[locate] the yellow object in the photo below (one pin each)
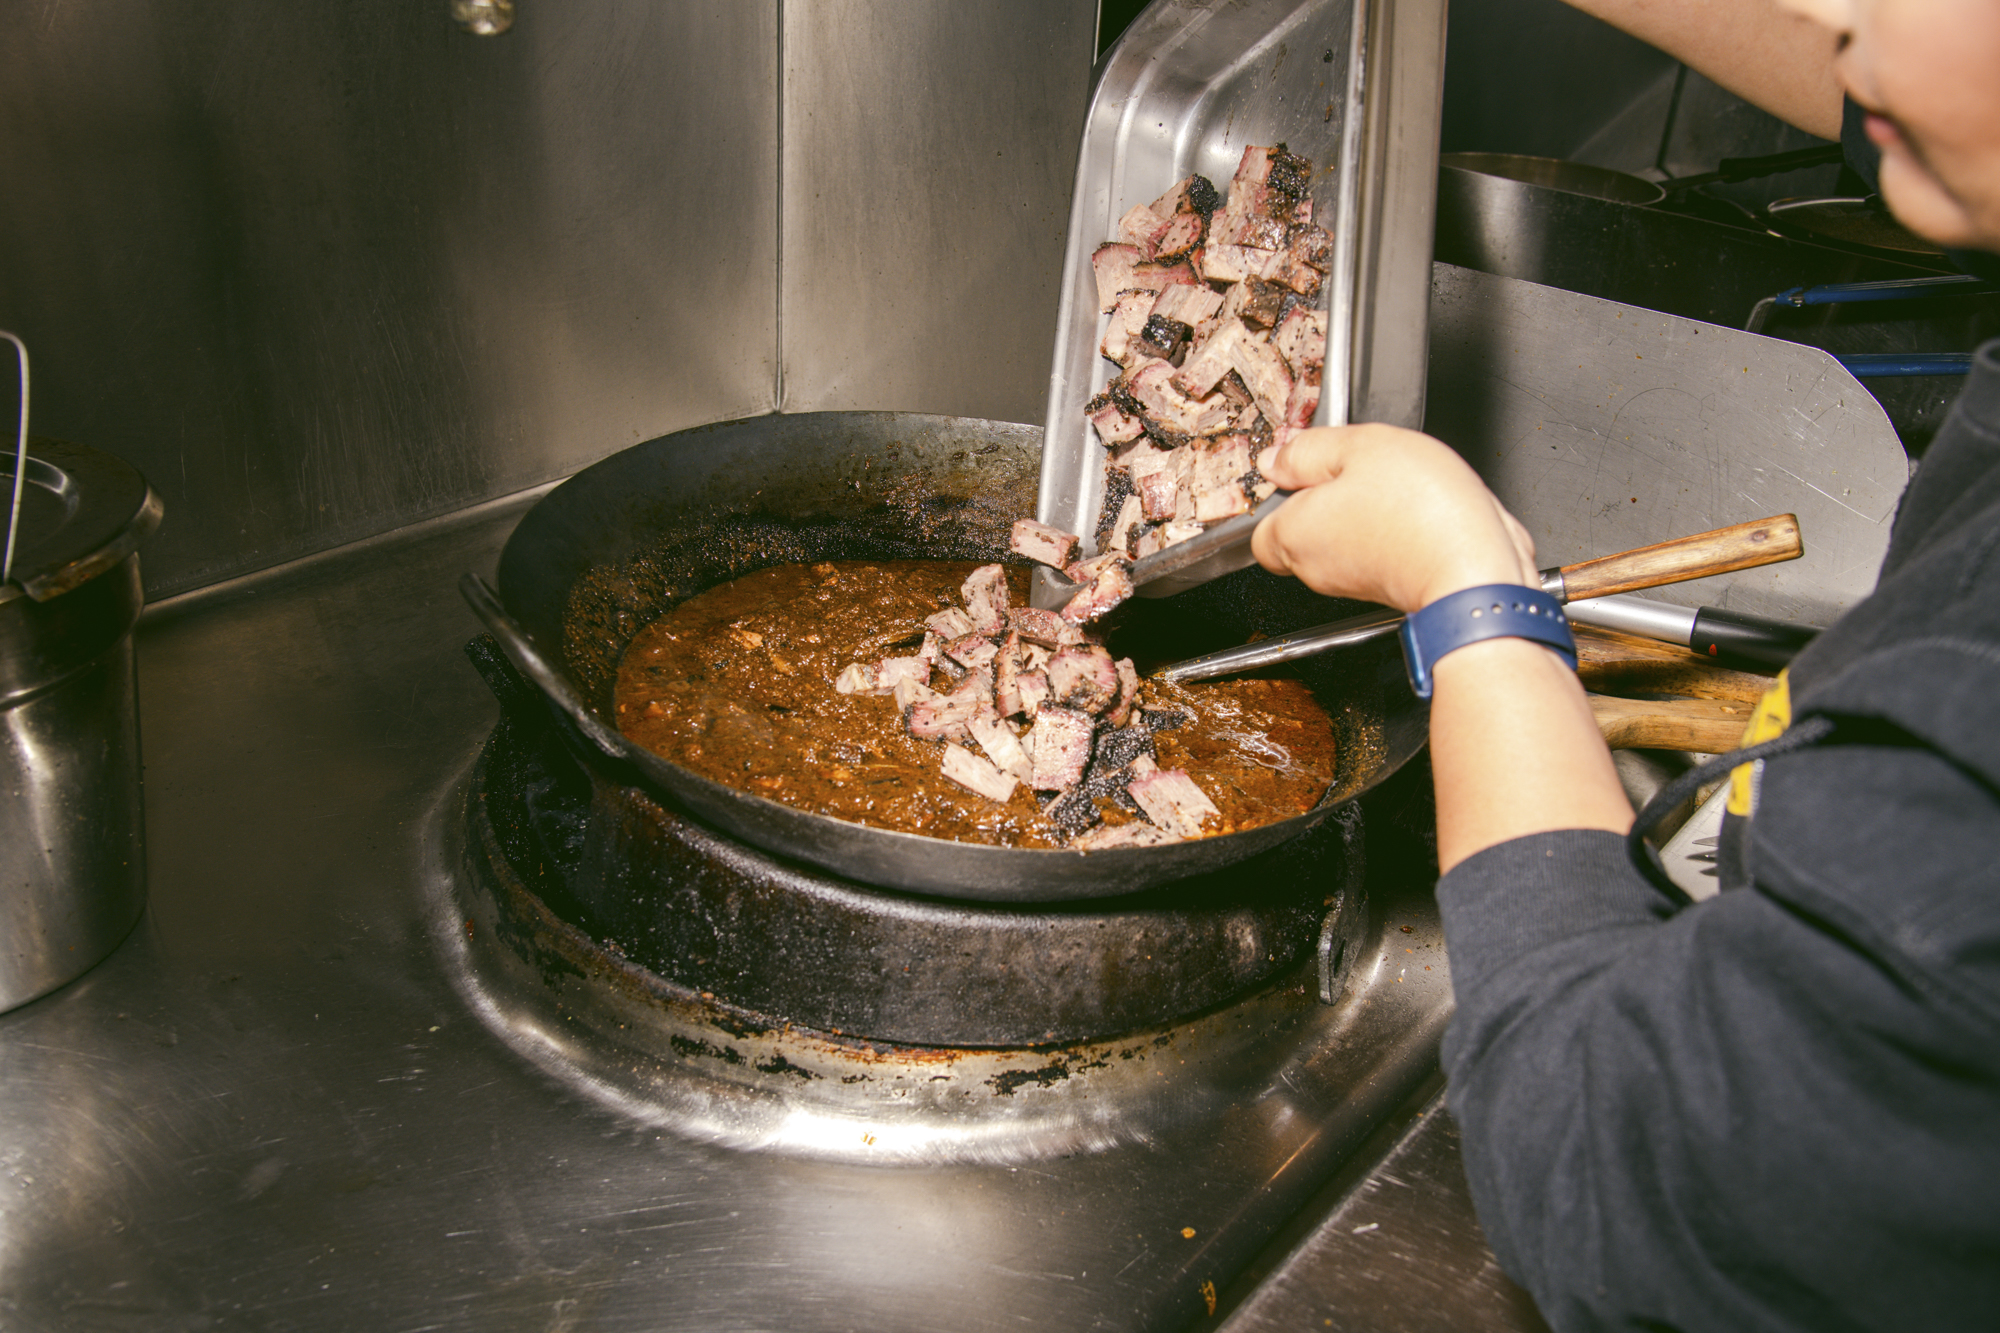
(1773, 715)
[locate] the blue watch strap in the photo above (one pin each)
(1494, 611)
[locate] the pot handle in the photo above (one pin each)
(521, 651)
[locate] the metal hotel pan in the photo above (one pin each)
(1354, 85)
(617, 545)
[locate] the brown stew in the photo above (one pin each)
(736, 684)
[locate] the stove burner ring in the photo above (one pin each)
(659, 894)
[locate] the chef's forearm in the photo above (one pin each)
(1764, 54)
(1514, 750)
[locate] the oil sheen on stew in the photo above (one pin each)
(736, 684)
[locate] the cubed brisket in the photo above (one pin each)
(1112, 264)
(977, 774)
(1083, 678)
(1031, 624)
(985, 593)
(1061, 747)
(1040, 542)
(1171, 799)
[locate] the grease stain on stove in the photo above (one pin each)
(1004, 1082)
(778, 1064)
(693, 1048)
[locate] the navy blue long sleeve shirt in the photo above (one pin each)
(1779, 1108)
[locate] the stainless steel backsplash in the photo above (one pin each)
(322, 271)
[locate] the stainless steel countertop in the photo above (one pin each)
(271, 1108)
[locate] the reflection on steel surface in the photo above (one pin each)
(1605, 427)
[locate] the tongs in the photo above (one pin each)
(1764, 541)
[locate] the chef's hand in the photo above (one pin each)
(1394, 516)
(1387, 515)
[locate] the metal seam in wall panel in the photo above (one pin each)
(928, 156)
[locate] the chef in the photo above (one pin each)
(1778, 1108)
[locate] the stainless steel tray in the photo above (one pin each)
(1354, 85)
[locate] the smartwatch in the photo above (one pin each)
(1494, 611)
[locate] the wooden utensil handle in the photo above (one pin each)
(1764, 541)
(1709, 726)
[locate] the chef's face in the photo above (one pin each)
(1928, 73)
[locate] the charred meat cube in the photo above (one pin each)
(1235, 263)
(1061, 747)
(1040, 542)
(1141, 228)
(1170, 799)
(894, 669)
(857, 678)
(1125, 528)
(1031, 624)
(1140, 458)
(1265, 303)
(976, 774)
(1196, 194)
(1117, 489)
(1299, 408)
(1083, 571)
(1287, 175)
(1303, 279)
(950, 623)
(1112, 264)
(1033, 684)
(1183, 232)
(1264, 374)
(1070, 811)
(1150, 542)
(976, 689)
(1205, 368)
(1219, 467)
(1083, 678)
(1263, 232)
(1162, 338)
(1120, 711)
(910, 692)
(973, 650)
(941, 717)
(1135, 834)
(1113, 424)
(1122, 332)
(1158, 277)
(1311, 245)
(945, 716)
(1107, 590)
(1163, 404)
(1002, 746)
(1189, 305)
(985, 593)
(1301, 338)
(1167, 534)
(1007, 677)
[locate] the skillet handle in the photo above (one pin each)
(521, 651)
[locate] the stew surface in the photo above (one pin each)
(736, 683)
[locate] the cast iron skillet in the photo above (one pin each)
(616, 545)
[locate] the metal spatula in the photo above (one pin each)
(1764, 541)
